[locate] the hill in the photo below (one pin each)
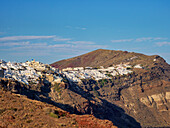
(143, 95)
(106, 58)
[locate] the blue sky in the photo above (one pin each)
(51, 30)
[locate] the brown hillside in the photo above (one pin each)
(17, 111)
(106, 58)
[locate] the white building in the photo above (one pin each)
(138, 66)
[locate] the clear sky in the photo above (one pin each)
(51, 30)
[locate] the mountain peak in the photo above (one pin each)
(106, 58)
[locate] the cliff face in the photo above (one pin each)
(133, 100)
(126, 100)
(142, 95)
(151, 106)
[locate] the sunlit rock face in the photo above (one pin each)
(151, 106)
(161, 100)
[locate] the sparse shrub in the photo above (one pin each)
(73, 122)
(31, 110)
(63, 114)
(61, 124)
(103, 82)
(57, 88)
(109, 75)
(54, 115)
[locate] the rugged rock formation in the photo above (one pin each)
(143, 95)
(134, 100)
(150, 107)
(73, 100)
(18, 111)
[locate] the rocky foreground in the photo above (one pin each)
(17, 111)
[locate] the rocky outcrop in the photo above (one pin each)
(158, 99)
(150, 107)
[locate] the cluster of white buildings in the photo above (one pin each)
(76, 76)
(21, 72)
(78, 73)
(31, 72)
(28, 72)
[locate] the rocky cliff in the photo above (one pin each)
(18, 110)
(141, 97)
(138, 99)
